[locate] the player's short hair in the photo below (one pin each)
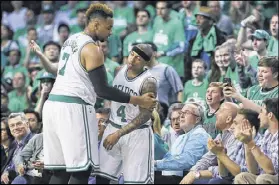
(51, 43)
(251, 116)
(271, 62)
(200, 61)
(272, 106)
(98, 10)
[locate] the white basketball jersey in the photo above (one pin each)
(124, 113)
(72, 79)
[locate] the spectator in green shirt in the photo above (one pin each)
(260, 39)
(203, 45)
(196, 88)
(224, 66)
(141, 35)
(214, 99)
(273, 41)
(18, 100)
(51, 51)
(123, 17)
(14, 66)
(267, 87)
(81, 19)
(29, 59)
(169, 38)
(139, 5)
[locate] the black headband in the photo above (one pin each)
(141, 53)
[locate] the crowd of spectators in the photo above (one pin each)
(216, 63)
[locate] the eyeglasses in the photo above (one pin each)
(188, 112)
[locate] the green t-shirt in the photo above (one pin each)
(195, 92)
(173, 15)
(167, 35)
(73, 13)
(115, 45)
(135, 37)
(10, 71)
(209, 124)
(254, 60)
(233, 75)
(110, 66)
(256, 94)
(17, 103)
(273, 46)
(122, 17)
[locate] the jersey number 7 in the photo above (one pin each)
(65, 57)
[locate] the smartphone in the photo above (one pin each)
(228, 81)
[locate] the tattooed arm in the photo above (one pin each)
(149, 85)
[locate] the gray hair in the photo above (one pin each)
(20, 114)
(200, 109)
(173, 107)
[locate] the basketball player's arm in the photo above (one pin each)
(92, 59)
(149, 85)
(47, 64)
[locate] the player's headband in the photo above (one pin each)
(141, 53)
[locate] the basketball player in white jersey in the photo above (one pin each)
(70, 125)
(127, 144)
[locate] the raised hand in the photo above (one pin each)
(246, 132)
(230, 92)
(34, 47)
(215, 147)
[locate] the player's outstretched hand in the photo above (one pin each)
(111, 140)
(35, 47)
(148, 101)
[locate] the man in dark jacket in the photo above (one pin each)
(19, 127)
(203, 45)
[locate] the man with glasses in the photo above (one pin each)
(188, 148)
